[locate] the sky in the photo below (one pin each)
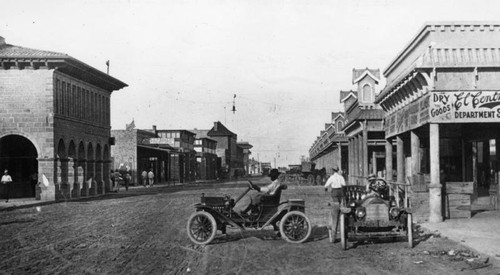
(280, 63)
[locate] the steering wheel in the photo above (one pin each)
(378, 185)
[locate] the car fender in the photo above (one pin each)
(218, 216)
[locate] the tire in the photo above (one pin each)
(343, 233)
(201, 228)
(409, 228)
(295, 227)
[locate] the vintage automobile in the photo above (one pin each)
(216, 213)
(380, 212)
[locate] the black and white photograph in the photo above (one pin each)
(249, 137)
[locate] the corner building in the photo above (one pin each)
(54, 124)
(442, 106)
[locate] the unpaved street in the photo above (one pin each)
(142, 231)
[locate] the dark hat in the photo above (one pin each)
(274, 173)
(335, 168)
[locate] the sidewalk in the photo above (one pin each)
(480, 233)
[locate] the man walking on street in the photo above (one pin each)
(6, 181)
(335, 182)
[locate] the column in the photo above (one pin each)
(361, 159)
(75, 189)
(82, 172)
(400, 160)
(89, 180)
(98, 177)
(388, 159)
(45, 190)
(365, 150)
(340, 156)
(72, 173)
(435, 214)
(415, 154)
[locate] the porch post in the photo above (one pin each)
(400, 160)
(435, 214)
(415, 158)
(365, 150)
(388, 159)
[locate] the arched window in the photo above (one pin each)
(339, 125)
(367, 93)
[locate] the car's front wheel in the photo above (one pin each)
(295, 227)
(201, 227)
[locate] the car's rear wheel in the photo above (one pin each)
(409, 228)
(343, 233)
(295, 227)
(201, 228)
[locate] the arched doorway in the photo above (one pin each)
(19, 156)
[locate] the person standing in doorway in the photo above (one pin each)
(335, 182)
(6, 182)
(151, 177)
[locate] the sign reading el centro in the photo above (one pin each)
(445, 107)
(464, 106)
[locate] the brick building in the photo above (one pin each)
(226, 149)
(54, 123)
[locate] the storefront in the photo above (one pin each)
(442, 104)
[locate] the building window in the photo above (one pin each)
(58, 97)
(367, 93)
(339, 126)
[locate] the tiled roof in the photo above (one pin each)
(220, 130)
(7, 50)
(356, 73)
(344, 94)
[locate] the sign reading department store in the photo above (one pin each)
(464, 106)
(445, 107)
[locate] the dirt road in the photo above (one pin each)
(142, 231)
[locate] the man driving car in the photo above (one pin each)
(256, 197)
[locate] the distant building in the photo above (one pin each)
(54, 123)
(141, 150)
(364, 127)
(226, 149)
(183, 158)
(206, 157)
(245, 155)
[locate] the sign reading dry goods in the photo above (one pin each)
(465, 106)
(407, 118)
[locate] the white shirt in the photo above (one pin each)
(271, 188)
(6, 179)
(335, 181)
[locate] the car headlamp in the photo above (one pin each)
(360, 212)
(394, 212)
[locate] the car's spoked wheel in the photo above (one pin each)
(201, 228)
(409, 228)
(295, 227)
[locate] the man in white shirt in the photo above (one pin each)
(335, 182)
(6, 181)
